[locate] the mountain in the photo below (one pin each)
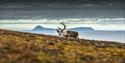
(82, 29)
(38, 28)
(22, 47)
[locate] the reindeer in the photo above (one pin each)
(67, 34)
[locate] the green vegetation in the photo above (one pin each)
(18, 47)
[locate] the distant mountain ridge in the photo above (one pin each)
(39, 28)
(82, 29)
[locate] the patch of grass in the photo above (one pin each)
(18, 47)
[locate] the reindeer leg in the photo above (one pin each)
(77, 38)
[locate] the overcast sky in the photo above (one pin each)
(99, 14)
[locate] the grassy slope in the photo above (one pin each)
(18, 47)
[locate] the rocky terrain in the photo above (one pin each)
(22, 47)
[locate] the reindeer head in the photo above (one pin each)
(60, 30)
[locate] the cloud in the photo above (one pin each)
(67, 20)
(61, 9)
(62, 1)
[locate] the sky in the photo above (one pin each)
(98, 14)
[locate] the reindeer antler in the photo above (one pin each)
(64, 26)
(58, 30)
(61, 30)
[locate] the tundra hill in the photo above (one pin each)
(20, 47)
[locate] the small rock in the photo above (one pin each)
(50, 43)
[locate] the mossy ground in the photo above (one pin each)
(18, 47)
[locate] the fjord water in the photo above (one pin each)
(86, 33)
(118, 36)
